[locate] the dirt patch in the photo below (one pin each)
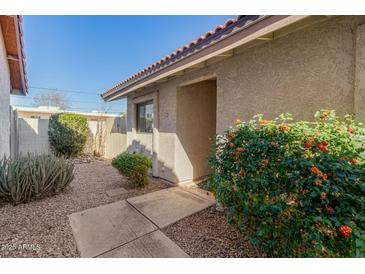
(41, 228)
(206, 234)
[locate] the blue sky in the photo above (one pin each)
(92, 53)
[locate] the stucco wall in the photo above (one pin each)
(359, 104)
(107, 136)
(195, 113)
(300, 73)
(4, 100)
(33, 136)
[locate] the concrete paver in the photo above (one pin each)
(152, 245)
(103, 228)
(169, 205)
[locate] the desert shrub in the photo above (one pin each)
(297, 189)
(67, 133)
(33, 176)
(134, 166)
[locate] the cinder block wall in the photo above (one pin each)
(107, 138)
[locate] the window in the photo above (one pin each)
(145, 117)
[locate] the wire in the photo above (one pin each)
(100, 110)
(76, 101)
(65, 90)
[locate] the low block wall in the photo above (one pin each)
(107, 136)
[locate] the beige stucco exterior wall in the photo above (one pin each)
(195, 128)
(359, 98)
(4, 100)
(300, 73)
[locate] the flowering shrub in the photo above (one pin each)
(298, 189)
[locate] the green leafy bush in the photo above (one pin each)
(34, 176)
(298, 189)
(134, 166)
(67, 133)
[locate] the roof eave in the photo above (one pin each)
(265, 25)
(21, 57)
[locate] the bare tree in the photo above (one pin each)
(52, 99)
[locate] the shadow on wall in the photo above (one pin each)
(196, 126)
(119, 125)
(32, 136)
(165, 172)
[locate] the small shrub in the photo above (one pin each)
(67, 133)
(298, 189)
(33, 176)
(134, 166)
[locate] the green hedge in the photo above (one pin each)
(134, 166)
(67, 133)
(34, 176)
(296, 189)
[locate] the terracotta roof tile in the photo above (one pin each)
(195, 45)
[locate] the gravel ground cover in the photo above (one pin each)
(206, 234)
(41, 228)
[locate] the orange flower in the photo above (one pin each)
(307, 145)
(241, 173)
(324, 115)
(284, 127)
(324, 143)
(320, 146)
(323, 195)
(264, 122)
(318, 172)
(316, 132)
(238, 121)
(342, 158)
(345, 230)
(350, 130)
(318, 182)
(240, 149)
(353, 161)
(275, 144)
(265, 161)
(232, 135)
(231, 144)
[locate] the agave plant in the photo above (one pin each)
(34, 176)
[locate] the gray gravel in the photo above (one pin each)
(206, 234)
(41, 228)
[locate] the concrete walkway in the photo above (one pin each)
(130, 228)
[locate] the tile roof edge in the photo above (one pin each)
(220, 32)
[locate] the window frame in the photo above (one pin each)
(138, 106)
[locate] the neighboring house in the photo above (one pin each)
(250, 65)
(107, 132)
(12, 73)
